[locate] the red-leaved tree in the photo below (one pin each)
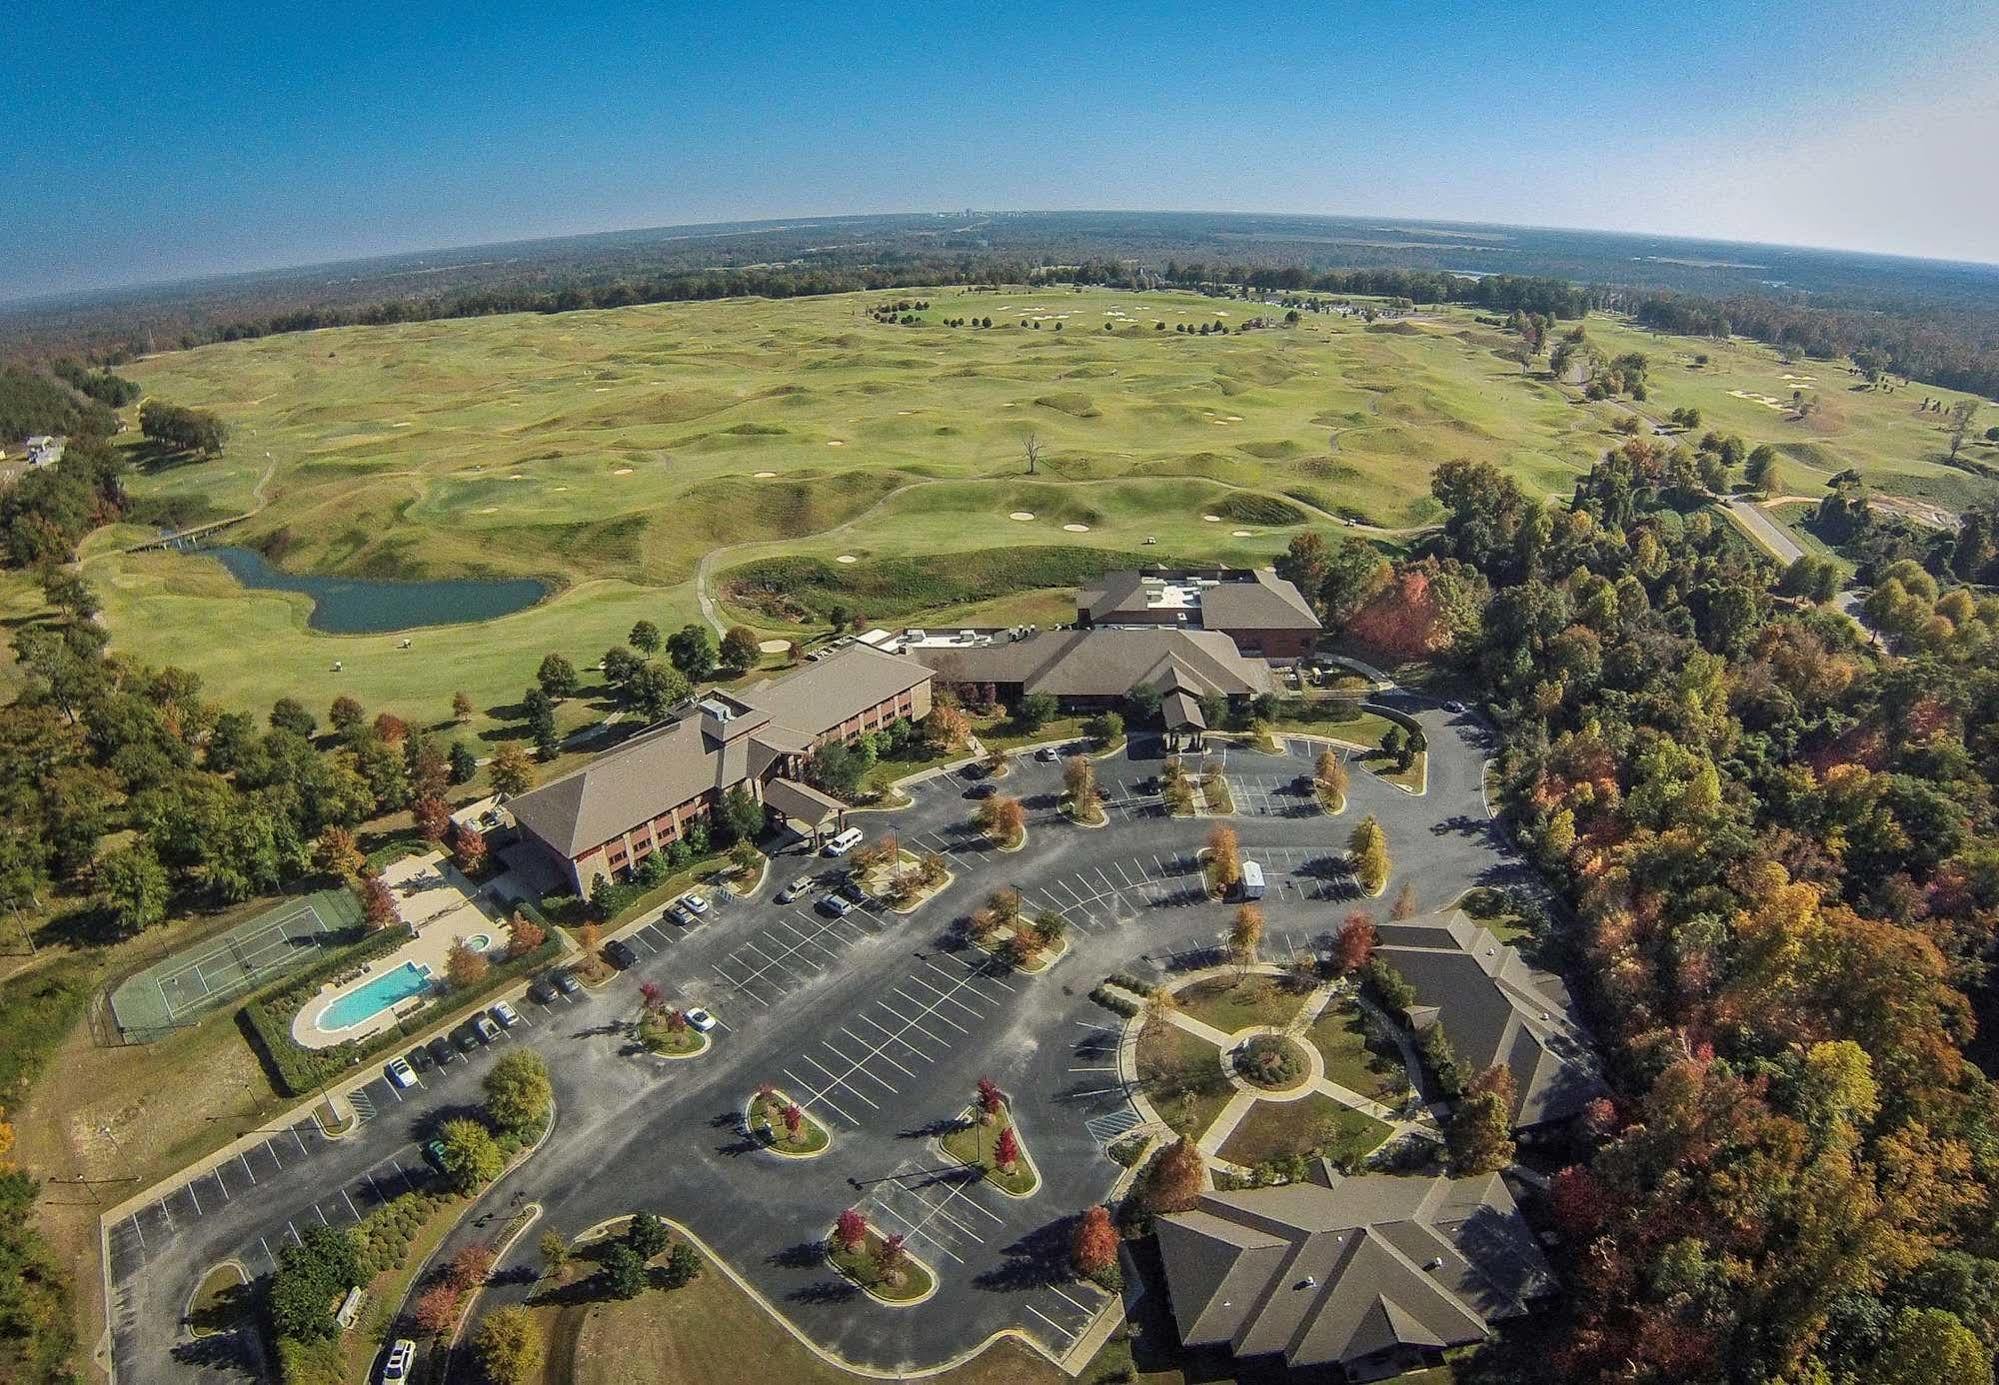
(1354, 946)
(851, 1230)
(1094, 1248)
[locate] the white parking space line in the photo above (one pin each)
(816, 1095)
(267, 1252)
(860, 1066)
(322, 1217)
(301, 1142)
(916, 1230)
(841, 1081)
(274, 1154)
(900, 1037)
(951, 995)
(245, 1157)
(195, 1200)
(930, 1010)
(878, 1051)
(296, 1238)
(1065, 1333)
(138, 1231)
(350, 1204)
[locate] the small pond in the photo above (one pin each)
(360, 606)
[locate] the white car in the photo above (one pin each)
(401, 1073)
(401, 1357)
(696, 904)
(701, 1020)
(794, 889)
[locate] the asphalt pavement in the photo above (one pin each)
(880, 1024)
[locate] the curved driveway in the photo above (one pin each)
(880, 1024)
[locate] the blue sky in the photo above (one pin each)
(142, 145)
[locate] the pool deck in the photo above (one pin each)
(440, 906)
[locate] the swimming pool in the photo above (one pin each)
(363, 1003)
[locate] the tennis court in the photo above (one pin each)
(178, 989)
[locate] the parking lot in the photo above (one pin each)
(878, 1023)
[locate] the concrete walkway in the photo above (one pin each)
(1315, 1082)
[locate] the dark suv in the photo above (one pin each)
(619, 953)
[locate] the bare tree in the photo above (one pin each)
(1961, 414)
(1030, 448)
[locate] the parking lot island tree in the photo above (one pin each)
(1224, 860)
(1367, 855)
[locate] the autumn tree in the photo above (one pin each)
(1367, 855)
(469, 1266)
(1094, 1248)
(1329, 781)
(512, 769)
(1224, 864)
(524, 935)
(437, 1309)
(1246, 935)
(509, 1346)
(946, 729)
(555, 1254)
(1003, 819)
(1354, 946)
(461, 706)
(378, 902)
(468, 848)
(1172, 1182)
(1079, 778)
(433, 818)
(465, 966)
(337, 853)
(850, 1230)
(1480, 1135)
(1006, 1150)
(1405, 902)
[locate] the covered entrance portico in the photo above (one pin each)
(1181, 713)
(804, 808)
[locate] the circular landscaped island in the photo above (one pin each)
(1272, 1063)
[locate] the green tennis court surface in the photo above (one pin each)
(181, 988)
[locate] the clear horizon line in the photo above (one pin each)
(302, 266)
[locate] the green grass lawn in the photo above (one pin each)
(608, 451)
(1355, 1058)
(1182, 1077)
(1230, 1004)
(1314, 1124)
(220, 1302)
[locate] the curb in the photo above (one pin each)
(749, 1127)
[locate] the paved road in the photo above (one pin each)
(1764, 530)
(880, 1025)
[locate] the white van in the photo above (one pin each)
(1251, 885)
(843, 843)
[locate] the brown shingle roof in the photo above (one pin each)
(1265, 602)
(1106, 663)
(626, 787)
(1323, 1274)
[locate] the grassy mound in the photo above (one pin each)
(1246, 508)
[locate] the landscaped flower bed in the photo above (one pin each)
(980, 1140)
(783, 1127)
(667, 1033)
(1272, 1062)
(882, 1266)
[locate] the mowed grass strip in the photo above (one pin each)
(1181, 1075)
(1355, 1057)
(1314, 1125)
(710, 1330)
(1231, 1003)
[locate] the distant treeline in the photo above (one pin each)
(1957, 349)
(1955, 356)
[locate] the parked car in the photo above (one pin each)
(701, 1020)
(833, 906)
(1048, 754)
(684, 916)
(420, 1059)
(794, 889)
(465, 1037)
(852, 890)
(542, 991)
(401, 1073)
(441, 1051)
(619, 953)
(506, 1014)
(842, 843)
(1455, 708)
(401, 1357)
(566, 982)
(433, 1155)
(984, 789)
(697, 903)
(484, 1028)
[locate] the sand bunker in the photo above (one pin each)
(1077, 528)
(489, 510)
(835, 442)
(1765, 400)
(517, 477)
(1212, 519)
(1022, 515)
(773, 646)
(1240, 533)
(622, 471)
(846, 558)
(763, 475)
